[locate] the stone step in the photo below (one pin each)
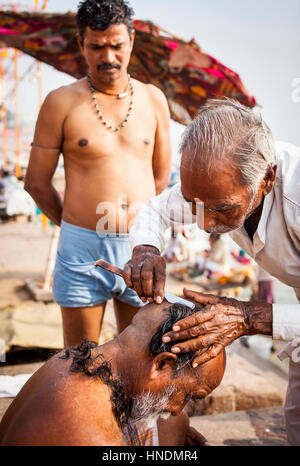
(249, 383)
(259, 427)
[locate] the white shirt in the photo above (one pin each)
(276, 242)
(262, 275)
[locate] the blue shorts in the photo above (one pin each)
(77, 282)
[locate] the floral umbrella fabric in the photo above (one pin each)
(186, 75)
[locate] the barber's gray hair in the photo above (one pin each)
(228, 129)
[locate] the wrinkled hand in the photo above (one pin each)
(194, 438)
(208, 331)
(146, 273)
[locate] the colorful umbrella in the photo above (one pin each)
(186, 75)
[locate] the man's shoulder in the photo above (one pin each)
(288, 171)
(287, 154)
(65, 94)
(152, 91)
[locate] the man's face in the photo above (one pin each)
(168, 394)
(154, 386)
(107, 53)
(227, 203)
(196, 383)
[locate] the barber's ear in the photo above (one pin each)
(132, 37)
(163, 363)
(269, 180)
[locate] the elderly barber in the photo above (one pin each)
(233, 179)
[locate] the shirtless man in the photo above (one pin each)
(88, 395)
(113, 132)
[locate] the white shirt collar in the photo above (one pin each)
(260, 233)
(259, 237)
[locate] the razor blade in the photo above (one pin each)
(171, 298)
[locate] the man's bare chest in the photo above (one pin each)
(85, 132)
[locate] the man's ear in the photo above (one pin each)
(269, 180)
(132, 37)
(80, 40)
(163, 363)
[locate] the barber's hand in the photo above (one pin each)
(194, 438)
(146, 273)
(222, 321)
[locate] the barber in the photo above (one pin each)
(234, 179)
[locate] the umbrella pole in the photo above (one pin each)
(17, 118)
(40, 81)
(3, 111)
(51, 259)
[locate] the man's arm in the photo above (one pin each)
(161, 162)
(286, 317)
(46, 149)
(146, 271)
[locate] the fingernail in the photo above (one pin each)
(166, 339)
(158, 300)
(144, 300)
(195, 365)
(176, 350)
(176, 328)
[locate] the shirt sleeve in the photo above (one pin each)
(286, 317)
(286, 321)
(160, 213)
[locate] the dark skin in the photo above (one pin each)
(252, 222)
(223, 321)
(228, 204)
(61, 408)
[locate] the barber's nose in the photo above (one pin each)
(209, 221)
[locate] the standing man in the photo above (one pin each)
(233, 179)
(113, 132)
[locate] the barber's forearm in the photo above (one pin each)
(49, 202)
(259, 318)
(148, 227)
(154, 218)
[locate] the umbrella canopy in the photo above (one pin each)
(186, 75)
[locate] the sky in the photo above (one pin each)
(259, 39)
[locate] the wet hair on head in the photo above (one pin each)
(176, 312)
(101, 14)
(98, 367)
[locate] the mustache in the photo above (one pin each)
(222, 229)
(108, 66)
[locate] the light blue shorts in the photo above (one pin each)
(77, 282)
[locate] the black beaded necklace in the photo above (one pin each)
(119, 96)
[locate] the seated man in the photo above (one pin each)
(111, 394)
